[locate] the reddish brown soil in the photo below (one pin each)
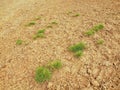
(97, 69)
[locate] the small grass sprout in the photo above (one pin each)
(98, 27)
(100, 41)
(94, 29)
(19, 42)
(39, 34)
(57, 64)
(42, 74)
(77, 47)
(31, 23)
(49, 26)
(90, 32)
(41, 31)
(79, 53)
(76, 15)
(54, 22)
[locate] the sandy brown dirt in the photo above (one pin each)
(97, 69)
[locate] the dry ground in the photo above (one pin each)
(97, 69)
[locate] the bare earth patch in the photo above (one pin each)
(97, 69)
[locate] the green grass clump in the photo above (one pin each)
(49, 26)
(94, 29)
(19, 42)
(31, 23)
(79, 53)
(54, 22)
(39, 34)
(100, 41)
(90, 32)
(57, 64)
(76, 15)
(42, 74)
(98, 27)
(78, 49)
(41, 31)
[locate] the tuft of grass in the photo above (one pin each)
(38, 18)
(42, 74)
(77, 47)
(79, 53)
(57, 64)
(90, 32)
(98, 27)
(94, 29)
(19, 42)
(49, 26)
(100, 41)
(39, 34)
(41, 31)
(31, 23)
(54, 22)
(76, 15)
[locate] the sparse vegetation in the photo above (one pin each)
(31, 23)
(76, 15)
(49, 26)
(57, 64)
(41, 31)
(42, 74)
(79, 53)
(90, 32)
(98, 27)
(19, 42)
(60, 45)
(78, 49)
(100, 41)
(39, 34)
(54, 22)
(94, 29)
